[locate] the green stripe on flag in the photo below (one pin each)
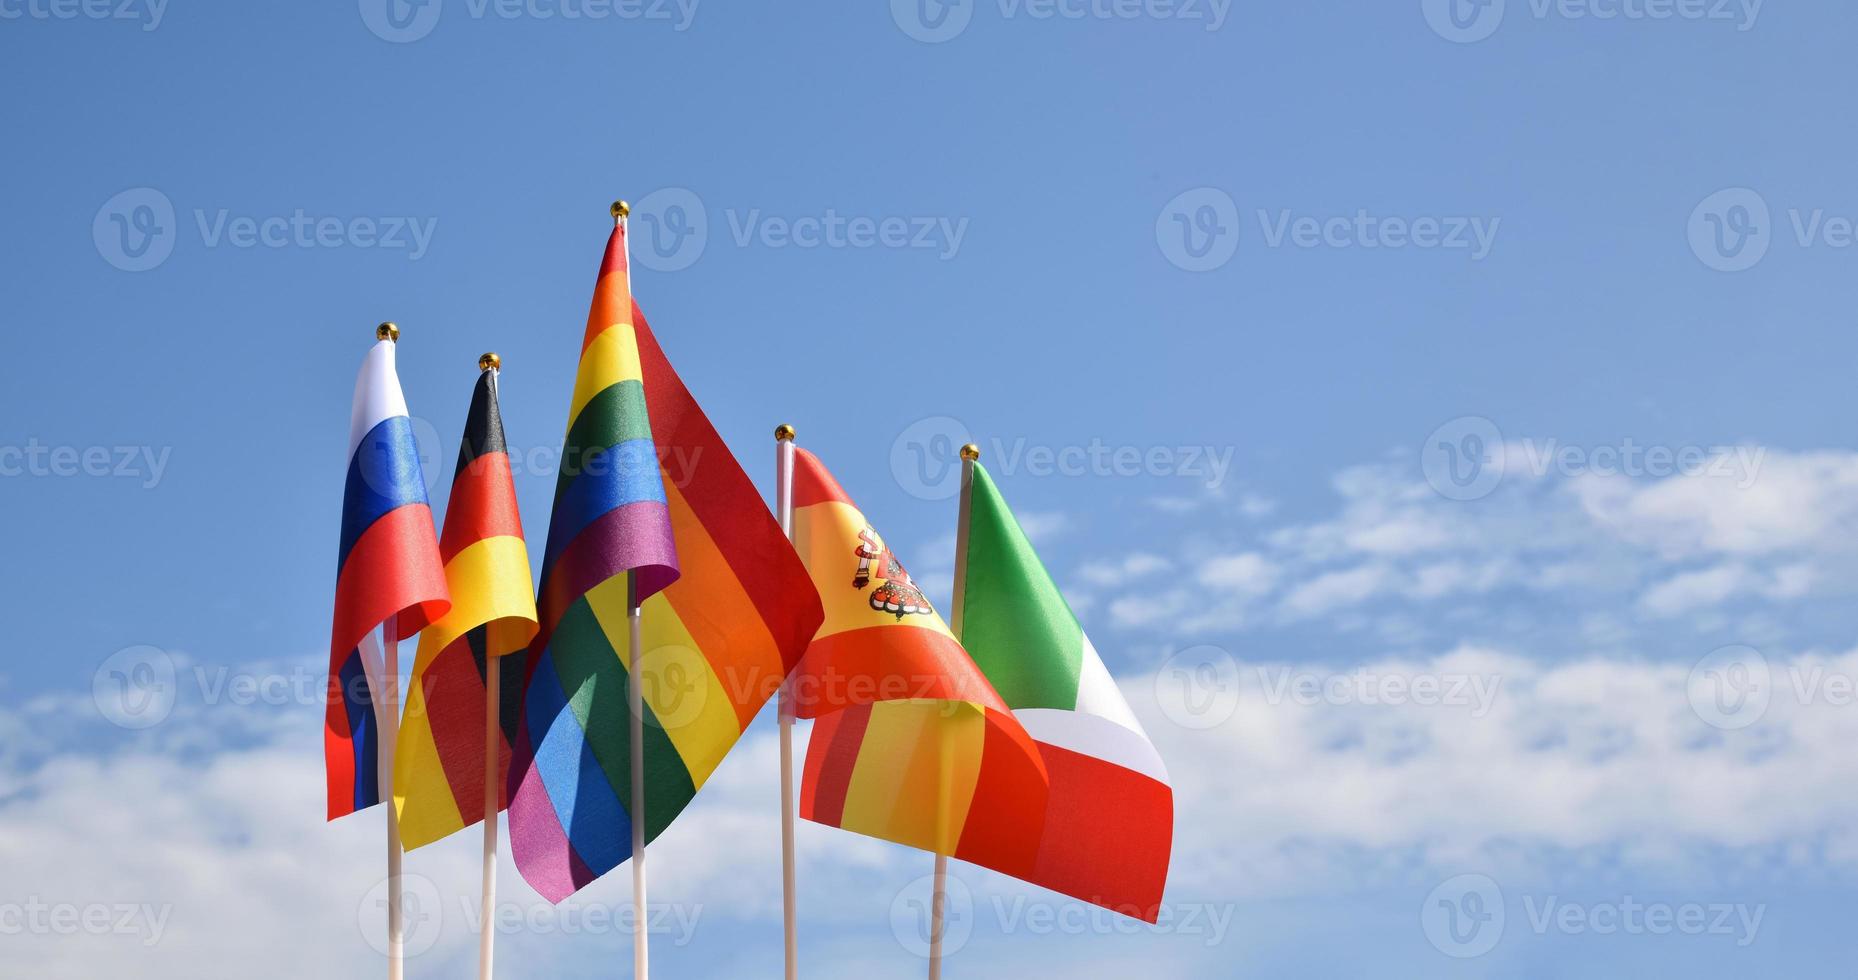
(597, 683)
(1014, 621)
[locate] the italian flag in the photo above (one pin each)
(1109, 823)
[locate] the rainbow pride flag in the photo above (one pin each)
(912, 745)
(387, 567)
(725, 614)
(439, 764)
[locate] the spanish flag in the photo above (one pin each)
(912, 744)
(440, 761)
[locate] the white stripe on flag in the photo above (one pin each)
(1094, 736)
(377, 394)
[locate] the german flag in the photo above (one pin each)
(441, 757)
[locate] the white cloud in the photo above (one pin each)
(1785, 502)
(1288, 797)
(1777, 526)
(1333, 590)
(1042, 525)
(1109, 574)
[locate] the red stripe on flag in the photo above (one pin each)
(393, 569)
(725, 501)
(814, 484)
(888, 663)
(1108, 834)
(483, 505)
(830, 758)
(1006, 817)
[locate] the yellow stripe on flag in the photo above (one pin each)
(916, 772)
(825, 535)
(420, 777)
(612, 357)
(687, 700)
(489, 581)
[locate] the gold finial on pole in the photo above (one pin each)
(784, 433)
(970, 452)
(620, 209)
(388, 331)
(489, 362)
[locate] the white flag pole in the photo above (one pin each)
(939, 901)
(635, 689)
(493, 773)
(641, 962)
(390, 737)
(493, 701)
(784, 507)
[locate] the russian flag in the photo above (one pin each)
(388, 568)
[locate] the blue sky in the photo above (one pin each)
(1323, 347)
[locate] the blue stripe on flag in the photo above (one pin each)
(623, 474)
(363, 730)
(384, 474)
(589, 810)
